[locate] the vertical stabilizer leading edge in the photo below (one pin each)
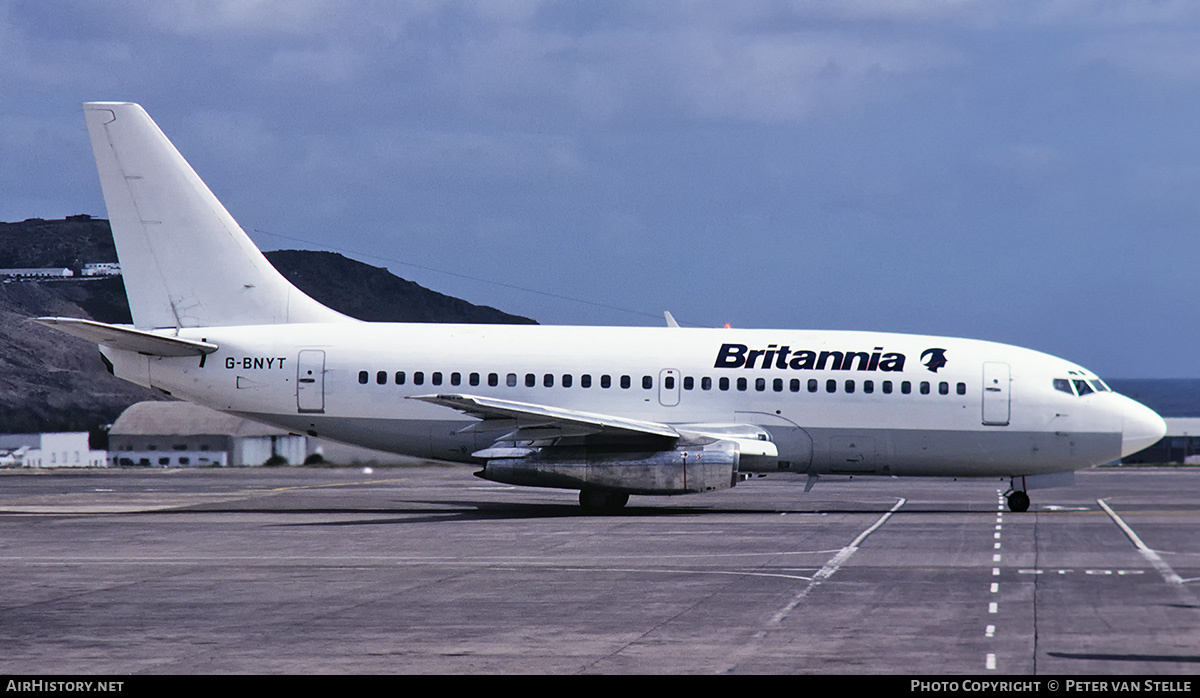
(186, 262)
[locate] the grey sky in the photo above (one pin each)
(1026, 172)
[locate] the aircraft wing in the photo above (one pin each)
(529, 415)
(128, 338)
(531, 420)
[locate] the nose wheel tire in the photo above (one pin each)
(600, 502)
(1018, 501)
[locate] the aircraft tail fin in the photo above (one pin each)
(185, 261)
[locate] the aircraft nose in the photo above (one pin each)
(1141, 427)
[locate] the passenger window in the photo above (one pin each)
(887, 387)
(548, 380)
(742, 384)
(868, 386)
(668, 382)
(647, 382)
(566, 380)
(943, 388)
(760, 384)
(905, 387)
(455, 379)
(363, 377)
(399, 377)
(849, 386)
(723, 384)
(418, 378)
(530, 380)
(812, 385)
(436, 378)
(381, 377)
(626, 381)
(689, 383)
(924, 387)
(777, 385)
(831, 386)
(794, 385)
(585, 381)
(493, 379)
(962, 388)
(606, 381)
(473, 379)
(706, 383)
(511, 380)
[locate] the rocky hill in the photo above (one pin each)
(53, 382)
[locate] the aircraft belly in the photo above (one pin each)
(953, 453)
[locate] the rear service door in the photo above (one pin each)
(310, 381)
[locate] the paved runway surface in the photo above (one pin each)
(428, 569)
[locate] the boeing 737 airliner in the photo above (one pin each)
(607, 411)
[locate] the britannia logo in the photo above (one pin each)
(937, 359)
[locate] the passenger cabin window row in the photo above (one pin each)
(723, 383)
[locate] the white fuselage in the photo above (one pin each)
(833, 402)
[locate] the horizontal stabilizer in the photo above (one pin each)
(127, 338)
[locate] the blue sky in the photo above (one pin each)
(1026, 172)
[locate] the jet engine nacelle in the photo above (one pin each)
(683, 470)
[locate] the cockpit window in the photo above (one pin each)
(1100, 386)
(1082, 387)
(1064, 385)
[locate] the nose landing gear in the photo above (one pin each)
(1018, 501)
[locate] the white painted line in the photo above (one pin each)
(996, 535)
(995, 571)
(993, 607)
(996, 557)
(990, 632)
(998, 526)
(827, 570)
(845, 553)
(1152, 557)
(991, 661)
(996, 546)
(995, 588)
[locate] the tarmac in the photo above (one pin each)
(428, 569)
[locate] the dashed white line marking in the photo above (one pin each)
(993, 607)
(995, 571)
(1152, 557)
(990, 632)
(991, 661)
(995, 588)
(996, 557)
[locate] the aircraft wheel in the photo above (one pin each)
(599, 501)
(1018, 501)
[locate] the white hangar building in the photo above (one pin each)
(182, 434)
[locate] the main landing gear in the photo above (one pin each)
(601, 502)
